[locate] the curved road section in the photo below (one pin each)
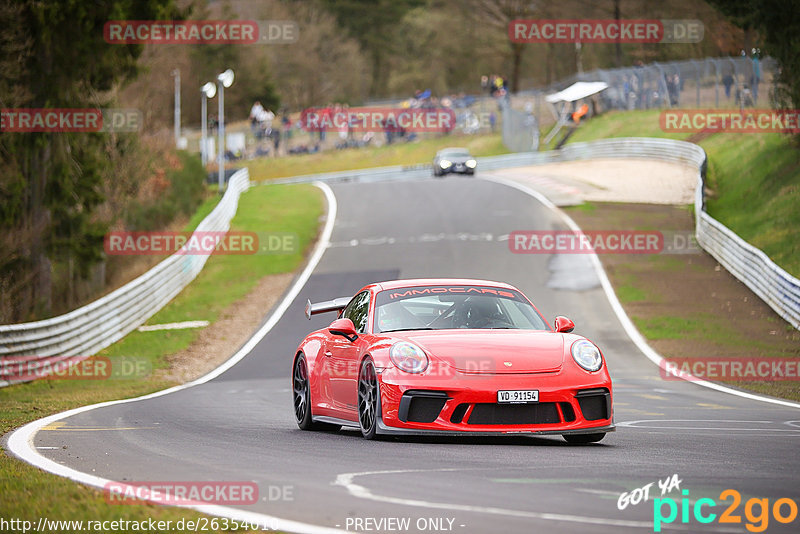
(239, 426)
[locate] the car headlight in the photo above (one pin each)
(445, 163)
(408, 357)
(471, 163)
(587, 355)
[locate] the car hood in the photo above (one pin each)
(493, 351)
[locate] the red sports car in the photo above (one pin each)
(449, 356)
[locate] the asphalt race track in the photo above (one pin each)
(240, 426)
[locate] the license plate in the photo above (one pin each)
(518, 396)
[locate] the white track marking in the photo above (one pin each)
(424, 238)
(647, 425)
(20, 443)
(347, 481)
(173, 326)
(623, 318)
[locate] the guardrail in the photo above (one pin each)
(76, 335)
(776, 287)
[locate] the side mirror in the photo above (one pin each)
(343, 327)
(564, 324)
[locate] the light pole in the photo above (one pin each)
(177, 75)
(223, 80)
(208, 90)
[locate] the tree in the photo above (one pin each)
(499, 14)
(52, 180)
(374, 24)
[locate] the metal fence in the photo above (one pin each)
(74, 336)
(710, 83)
(520, 129)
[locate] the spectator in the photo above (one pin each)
(727, 81)
(266, 120)
(756, 78)
(674, 89)
(255, 113)
(286, 123)
(499, 86)
(326, 115)
(344, 125)
(744, 97)
(275, 133)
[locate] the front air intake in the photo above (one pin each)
(595, 403)
(514, 414)
(421, 406)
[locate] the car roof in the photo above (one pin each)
(416, 282)
(453, 149)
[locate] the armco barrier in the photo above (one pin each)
(773, 285)
(776, 287)
(85, 331)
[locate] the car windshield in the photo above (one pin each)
(456, 153)
(452, 307)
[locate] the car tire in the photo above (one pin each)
(369, 402)
(301, 397)
(582, 439)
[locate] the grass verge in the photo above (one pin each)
(685, 304)
(26, 492)
(754, 180)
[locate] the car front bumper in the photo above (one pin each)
(457, 168)
(467, 403)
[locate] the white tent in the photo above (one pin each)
(573, 93)
(577, 91)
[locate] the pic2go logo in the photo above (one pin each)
(758, 521)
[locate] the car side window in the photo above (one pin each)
(358, 310)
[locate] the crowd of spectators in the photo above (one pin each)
(273, 135)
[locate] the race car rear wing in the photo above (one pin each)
(326, 306)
